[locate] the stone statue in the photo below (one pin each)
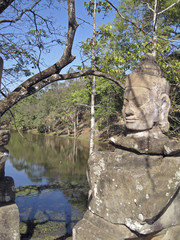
(145, 111)
(146, 100)
(134, 190)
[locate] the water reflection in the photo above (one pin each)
(50, 180)
(48, 158)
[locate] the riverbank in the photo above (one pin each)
(83, 132)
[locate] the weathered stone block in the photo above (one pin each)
(9, 222)
(7, 190)
(94, 227)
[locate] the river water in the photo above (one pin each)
(50, 180)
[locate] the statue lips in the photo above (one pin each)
(131, 119)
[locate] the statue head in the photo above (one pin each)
(146, 99)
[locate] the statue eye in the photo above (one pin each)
(138, 101)
(141, 100)
(138, 104)
(125, 102)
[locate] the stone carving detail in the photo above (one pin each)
(134, 190)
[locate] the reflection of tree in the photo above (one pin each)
(49, 157)
(33, 171)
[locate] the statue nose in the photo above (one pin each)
(129, 109)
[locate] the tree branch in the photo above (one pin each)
(68, 76)
(20, 16)
(170, 40)
(127, 20)
(154, 50)
(168, 7)
(150, 8)
(24, 91)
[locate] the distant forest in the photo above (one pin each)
(65, 106)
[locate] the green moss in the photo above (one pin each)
(42, 231)
(23, 228)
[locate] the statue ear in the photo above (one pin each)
(164, 111)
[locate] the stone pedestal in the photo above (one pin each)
(9, 222)
(132, 196)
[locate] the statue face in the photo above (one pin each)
(140, 111)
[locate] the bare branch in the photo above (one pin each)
(150, 8)
(170, 40)
(127, 20)
(20, 16)
(84, 21)
(168, 7)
